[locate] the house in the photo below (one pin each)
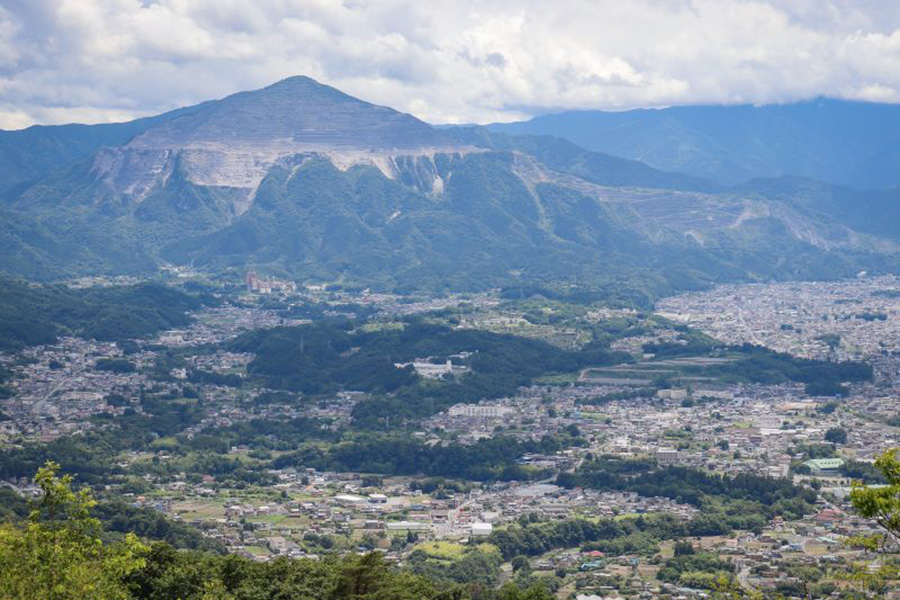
(672, 394)
(667, 456)
(769, 421)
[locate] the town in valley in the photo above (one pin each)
(662, 406)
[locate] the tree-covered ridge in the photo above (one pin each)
(326, 357)
(532, 537)
(687, 484)
(486, 460)
(31, 314)
(742, 501)
(765, 366)
(758, 364)
(93, 455)
(845, 142)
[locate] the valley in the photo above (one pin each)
(190, 427)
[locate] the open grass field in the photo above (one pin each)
(442, 550)
(199, 509)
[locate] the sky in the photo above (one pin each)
(447, 61)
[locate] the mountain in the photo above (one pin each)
(299, 179)
(855, 144)
(596, 167)
(31, 153)
(299, 114)
(227, 147)
(874, 212)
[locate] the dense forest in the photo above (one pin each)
(186, 576)
(758, 364)
(32, 314)
(762, 365)
(325, 357)
(532, 537)
(486, 460)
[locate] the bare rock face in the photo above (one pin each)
(133, 173)
(233, 143)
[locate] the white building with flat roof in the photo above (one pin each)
(490, 411)
(350, 499)
(428, 370)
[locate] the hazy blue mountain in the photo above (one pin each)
(597, 167)
(31, 153)
(850, 143)
(303, 180)
(875, 212)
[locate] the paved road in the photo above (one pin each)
(39, 406)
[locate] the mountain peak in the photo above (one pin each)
(297, 81)
(297, 113)
(298, 87)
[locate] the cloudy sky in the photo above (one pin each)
(444, 61)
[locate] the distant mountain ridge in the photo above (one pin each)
(849, 143)
(302, 180)
(31, 153)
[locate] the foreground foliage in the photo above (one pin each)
(58, 554)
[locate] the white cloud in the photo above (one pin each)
(458, 60)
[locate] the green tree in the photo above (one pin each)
(883, 506)
(684, 548)
(520, 563)
(57, 553)
(363, 577)
(836, 435)
(535, 592)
